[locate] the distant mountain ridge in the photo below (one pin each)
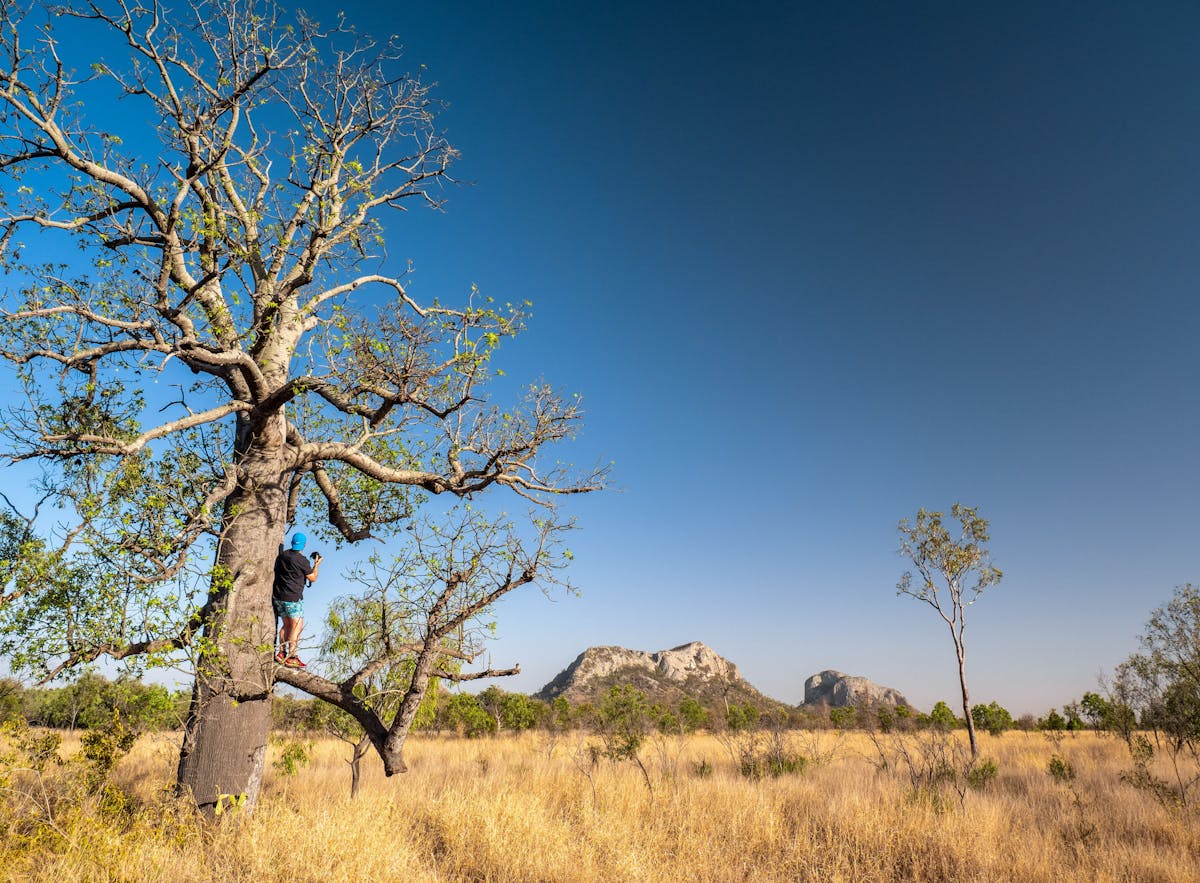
(696, 670)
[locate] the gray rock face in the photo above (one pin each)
(689, 663)
(837, 689)
(694, 660)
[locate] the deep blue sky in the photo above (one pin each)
(813, 268)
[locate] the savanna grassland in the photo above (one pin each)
(530, 808)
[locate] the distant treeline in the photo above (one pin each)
(495, 711)
(92, 700)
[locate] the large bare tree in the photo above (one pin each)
(201, 202)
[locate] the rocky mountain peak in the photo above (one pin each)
(692, 669)
(838, 689)
(694, 659)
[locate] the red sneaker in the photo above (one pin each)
(294, 662)
(281, 658)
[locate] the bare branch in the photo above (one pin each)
(476, 675)
(107, 445)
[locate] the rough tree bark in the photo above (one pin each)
(228, 723)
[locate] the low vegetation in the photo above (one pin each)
(745, 804)
(503, 787)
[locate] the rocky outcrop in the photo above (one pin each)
(694, 660)
(693, 669)
(837, 689)
(698, 671)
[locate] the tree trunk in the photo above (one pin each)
(393, 751)
(228, 724)
(360, 750)
(966, 697)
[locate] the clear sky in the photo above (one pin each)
(813, 266)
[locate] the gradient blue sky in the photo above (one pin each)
(813, 266)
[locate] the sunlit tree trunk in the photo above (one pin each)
(966, 695)
(228, 724)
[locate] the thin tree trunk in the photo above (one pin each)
(228, 725)
(360, 750)
(966, 697)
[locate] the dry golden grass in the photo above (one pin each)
(521, 809)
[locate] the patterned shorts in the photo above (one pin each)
(288, 609)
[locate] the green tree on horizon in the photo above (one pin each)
(952, 572)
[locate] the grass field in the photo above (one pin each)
(527, 809)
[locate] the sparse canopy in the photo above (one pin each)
(952, 570)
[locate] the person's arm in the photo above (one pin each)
(312, 574)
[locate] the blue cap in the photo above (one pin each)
(298, 541)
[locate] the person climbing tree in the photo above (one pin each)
(292, 574)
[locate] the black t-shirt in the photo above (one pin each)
(291, 576)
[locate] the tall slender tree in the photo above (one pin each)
(225, 169)
(953, 570)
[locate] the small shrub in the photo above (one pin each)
(775, 760)
(45, 790)
(702, 770)
(29, 748)
(104, 746)
(692, 715)
(992, 718)
(1141, 751)
(293, 756)
(843, 718)
(741, 718)
(980, 776)
(1060, 769)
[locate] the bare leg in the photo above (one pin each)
(290, 635)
